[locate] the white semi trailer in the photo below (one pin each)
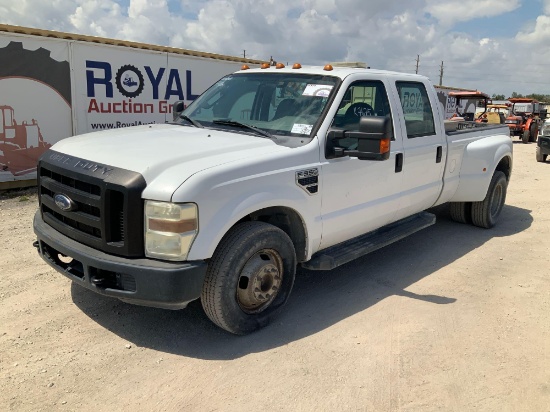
(60, 84)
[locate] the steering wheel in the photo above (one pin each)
(358, 110)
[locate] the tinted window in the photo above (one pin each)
(417, 110)
(364, 98)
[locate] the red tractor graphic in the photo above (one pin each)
(20, 144)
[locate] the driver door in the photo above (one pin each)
(359, 195)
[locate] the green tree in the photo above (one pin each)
(498, 97)
(539, 97)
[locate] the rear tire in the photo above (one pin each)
(486, 212)
(249, 278)
(533, 131)
(525, 136)
(461, 212)
(540, 157)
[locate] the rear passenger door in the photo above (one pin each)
(424, 149)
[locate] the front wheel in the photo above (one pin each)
(486, 212)
(525, 136)
(249, 278)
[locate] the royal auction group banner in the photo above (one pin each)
(118, 88)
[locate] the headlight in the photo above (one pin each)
(170, 229)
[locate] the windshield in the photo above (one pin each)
(284, 104)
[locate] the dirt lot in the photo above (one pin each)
(454, 318)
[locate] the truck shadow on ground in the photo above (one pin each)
(319, 300)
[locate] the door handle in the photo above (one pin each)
(398, 162)
(439, 154)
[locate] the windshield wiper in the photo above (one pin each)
(193, 122)
(244, 126)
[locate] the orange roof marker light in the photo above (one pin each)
(280, 66)
(328, 67)
(245, 67)
(265, 66)
(296, 66)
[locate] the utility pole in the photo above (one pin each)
(244, 54)
(417, 61)
(441, 74)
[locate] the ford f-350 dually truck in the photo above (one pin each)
(269, 168)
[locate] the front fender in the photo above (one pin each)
(481, 159)
(226, 197)
(217, 224)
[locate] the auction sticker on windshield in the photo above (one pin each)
(302, 128)
(318, 90)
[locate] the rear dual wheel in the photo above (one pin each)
(486, 212)
(461, 212)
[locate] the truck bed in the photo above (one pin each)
(458, 127)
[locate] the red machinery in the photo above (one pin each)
(523, 120)
(20, 144)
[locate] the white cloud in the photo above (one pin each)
(449, 12)
(98, 18)
(386, 34)
(539, 35)
(51, 14)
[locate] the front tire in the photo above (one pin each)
(525, 137)
(249, 278)
(486, 212)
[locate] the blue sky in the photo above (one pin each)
(497, 46)
(505, 24)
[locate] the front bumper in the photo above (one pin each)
(544, 143)
(148, 282)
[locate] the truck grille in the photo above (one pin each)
(105, 210)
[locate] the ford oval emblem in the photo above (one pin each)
(64, 202)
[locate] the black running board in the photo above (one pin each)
(349, 250)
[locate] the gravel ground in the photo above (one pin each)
(453, 318)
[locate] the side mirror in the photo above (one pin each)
(373, 139)
(177, 109)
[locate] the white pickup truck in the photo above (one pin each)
(269, 168)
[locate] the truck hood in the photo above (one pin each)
(165, 155)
